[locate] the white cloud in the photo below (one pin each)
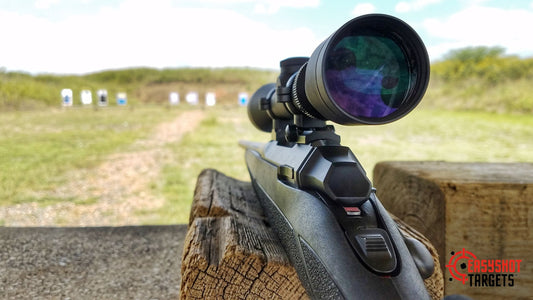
(363, 8)
(415, 5)
(267, 6)
(45, 4)
(483, 26)
(127, 36)
(273, 6)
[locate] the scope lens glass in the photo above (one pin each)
(367, 75)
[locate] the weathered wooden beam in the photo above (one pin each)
(231, 252)
(484, 208)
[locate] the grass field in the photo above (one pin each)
(423, 135)
(123, 166)
(40, 149)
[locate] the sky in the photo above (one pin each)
(84, 36)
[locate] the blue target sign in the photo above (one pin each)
(243, 99)
(66, 96)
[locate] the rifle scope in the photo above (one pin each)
(373, 70)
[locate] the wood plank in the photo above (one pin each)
(484, 208)
(230, 251)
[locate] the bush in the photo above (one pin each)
(489, 64)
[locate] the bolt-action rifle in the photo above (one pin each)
(342, 242)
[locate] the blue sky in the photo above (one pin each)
(82, 36)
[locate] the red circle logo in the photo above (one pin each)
(455, 260)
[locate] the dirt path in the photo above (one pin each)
(110, 194)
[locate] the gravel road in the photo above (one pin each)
(134, 262)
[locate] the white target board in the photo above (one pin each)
(86, 97)
(174, 98)
(66, 97)
(243, 99)
(102, 97)
(122, 99)
(192, 98)
(210, 99)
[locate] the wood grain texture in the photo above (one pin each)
(231, 252)
(435, 283)
(485, 208)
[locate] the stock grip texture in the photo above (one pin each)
(310, 269)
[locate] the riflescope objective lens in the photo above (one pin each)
(372, 70)
(367, 76)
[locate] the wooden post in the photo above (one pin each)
(231, 252)
(483, 208)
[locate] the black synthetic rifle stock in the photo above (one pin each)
(342, 242)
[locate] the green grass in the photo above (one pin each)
(422, 135)
(474, 110)
(38, 148)
(443, 135)
(474, 94)
(479, 79)
(213, 145)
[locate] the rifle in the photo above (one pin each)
(340, 239)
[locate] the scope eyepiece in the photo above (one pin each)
(373, 70)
